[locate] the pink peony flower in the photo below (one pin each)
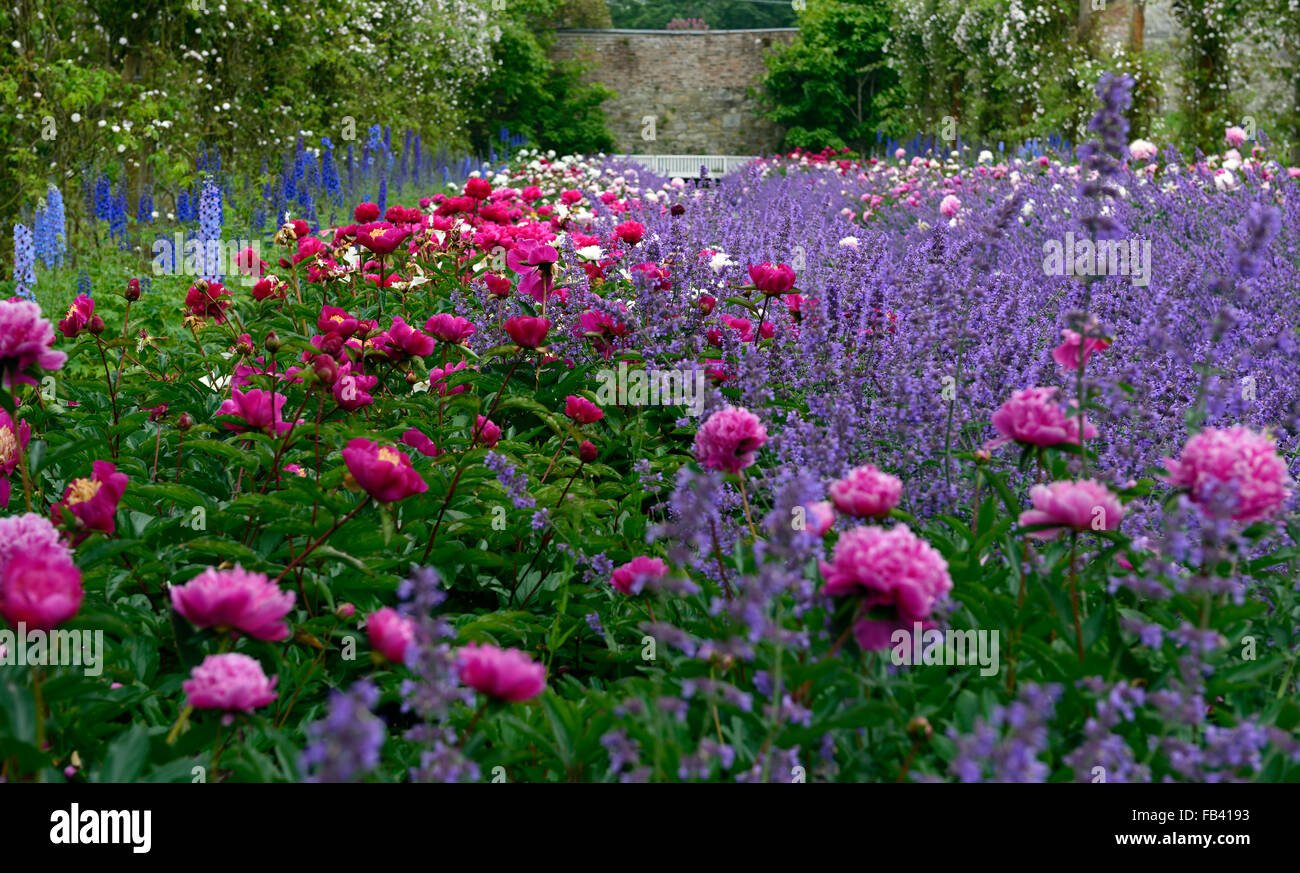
(1142, 150)
(1232, 472)
(949, 206)
(1081, 506)
(819, 517)
(390, 633)
(209, 301)
(416, 439)
(450, 328)
(235, 600)
(1234, 136)
(11, 440)
(633, 576)
(772, 279)
(486, 432)
(77, 317)
(382, 239)
(534, 262)
(383, 472)
(526, 331)
(729, 439)
(231, 682)
(25, 340)
(28, 533)
(40, 588)
(93, 500)
(478, 189)
(260, 409)
(351, 389)
(333, 319)
(411, 341)
(866, 492)
(365, 213)
(507, 674)
(1075, 351)
(886, 568)
(582, 410)
(630, 232)
(1034, 416)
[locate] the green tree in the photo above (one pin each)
(830, 86)
(531, 94)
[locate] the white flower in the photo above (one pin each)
(986, 157)
(76, 116)
(719, 261)
(849, 242)
(588, 253)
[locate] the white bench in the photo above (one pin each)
(688, 166)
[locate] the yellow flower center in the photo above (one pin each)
(71, 310)
(389, 455)
(8, 445)
(82, 490)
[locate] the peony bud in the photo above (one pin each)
(133, 290)
(272, 343)
(587, 452)
(95, 325)
(185, 422)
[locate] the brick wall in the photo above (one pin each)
(694, 84)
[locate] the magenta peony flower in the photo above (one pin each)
(351, 389)
(40, 588)
(450, 328)
(384, 472)
(866, 492)
(1232, 472)
(526, 331)
(416, 439)
(633, 576)
(333, 319)
(235, 600)
(487, 432)
(365, 213)
(533, 261)
(231, 682)
(438, 379)
(478, 189)
(391, 633)
(507, 674)
(886, 568)
(210, 301)
(382, 239)
(630, 232)
(410, 340)
(77, 317)
(1034, 416)
(1075, 351)
(1081, 506)
(11, 439)
(25, 340)
(93, 500)
(949, 206)
(260, 409)
(729, 439)
(582, 410)
(772, 279)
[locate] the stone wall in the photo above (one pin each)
(694, 85)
